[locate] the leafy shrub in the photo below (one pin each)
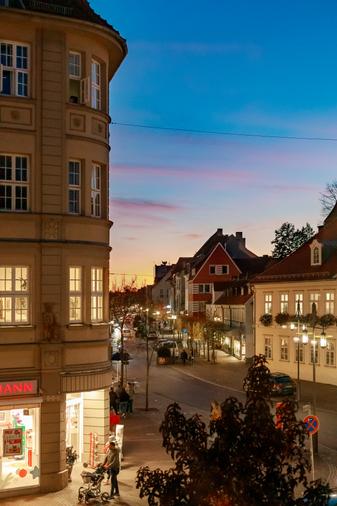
(282, 318)
(266, 319)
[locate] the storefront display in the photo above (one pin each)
(74, 422)
(19, 447)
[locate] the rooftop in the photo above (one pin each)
(79, 9)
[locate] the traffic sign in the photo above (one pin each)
(311, 423)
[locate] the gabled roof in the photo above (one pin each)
(181, 264)
(233, 244)
(79, 9)
(297, 266)
(235, 300)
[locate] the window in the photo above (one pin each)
(13, 183)
(284, 349)
(330, 303)
(268, 301)
(74, 187)
(204, 288)
(96, 191)
(96, 100)
(298, 303)
(268, 348)
(284, 303)
(14, 68)
(96, 294)
(14, 295)
(75, 294)
(314, 299)
(316, 253)
(314, 351)
(330, 358)
(299, 352)
(75, 74)
(218, 269)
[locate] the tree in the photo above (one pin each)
(328, 198)
(243, 458)
(288, 239)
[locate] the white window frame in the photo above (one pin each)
(97, 294)
(75, 294)
(16, 71)
(16, 184)
(96, 85)
(76, 76)
(96, 190)
(284, 302)
(13, 288)
(218, 269)
(75, 188)
(298, 303)
(329, 303)
(316, 253)
(330, 354)
(202, 288)
(268, 303)
(314, 298)
(284, 349)
(268, 347)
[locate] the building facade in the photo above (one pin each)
(56, 61)
(291, 292)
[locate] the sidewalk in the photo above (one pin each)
(142, 441)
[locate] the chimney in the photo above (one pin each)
(240, 238)
(219, 232)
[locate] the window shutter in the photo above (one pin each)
(85, 91)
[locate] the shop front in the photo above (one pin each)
(19, 435)
(87, 423)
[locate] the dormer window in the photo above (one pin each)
(316, 253)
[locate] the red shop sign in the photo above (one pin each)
(24, 387)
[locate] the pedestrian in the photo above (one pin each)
(113, 400)
(112, 464)
(215, 411)
(125, 397)
(183, 356)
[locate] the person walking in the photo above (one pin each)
(183, 356)
(112, 464)
(113, 400)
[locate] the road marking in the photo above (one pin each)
(231, 389)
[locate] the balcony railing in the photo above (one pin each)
(52, 8)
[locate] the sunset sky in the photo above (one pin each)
(259, 67)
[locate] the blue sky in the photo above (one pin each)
(247, 67)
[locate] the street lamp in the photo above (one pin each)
(299, 339)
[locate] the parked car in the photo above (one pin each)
(152, 335)
(282, 384)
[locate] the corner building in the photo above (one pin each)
(56, 61)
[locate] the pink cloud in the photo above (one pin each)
(142, 205)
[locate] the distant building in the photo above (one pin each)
(56, 61)
(301, 283)
(162, 290)
(160, 271)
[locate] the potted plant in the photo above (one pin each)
(266, 319)
(71, 457)
(327, 320)
(282, 318)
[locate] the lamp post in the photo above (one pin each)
(299, 339)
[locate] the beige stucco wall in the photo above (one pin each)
(50, 131)
(324, 373)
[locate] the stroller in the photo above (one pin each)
(92, 486)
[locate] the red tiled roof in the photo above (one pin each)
(297, 266)
(235, 300)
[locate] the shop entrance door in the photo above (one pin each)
(74, 424)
